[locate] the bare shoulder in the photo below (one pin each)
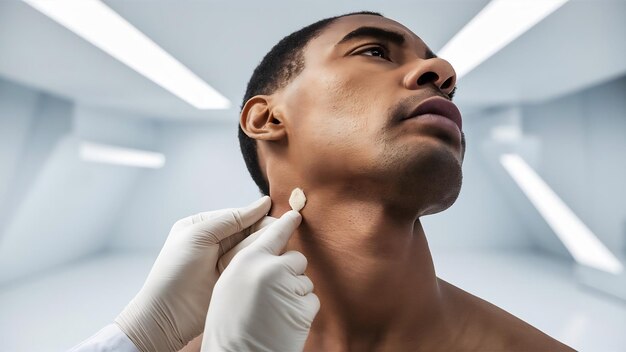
(488, 327)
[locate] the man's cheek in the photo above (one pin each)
(332, 156)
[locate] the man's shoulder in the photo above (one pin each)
(488, 327)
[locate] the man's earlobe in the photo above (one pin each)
(259, 121)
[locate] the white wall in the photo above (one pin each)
(204, 171)
(582, 158)
(55, 207)
(17, 105)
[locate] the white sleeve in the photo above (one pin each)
(109, 339)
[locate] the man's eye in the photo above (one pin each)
(377, 51)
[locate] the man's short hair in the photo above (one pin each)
(280, 65)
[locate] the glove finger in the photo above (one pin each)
(295, 261)
(230, 253)
(265, 222)
(311, 305)
(250, 213)
(242, 239)
(228, 222)
(303, 285)
(275, 238)
(213, 214)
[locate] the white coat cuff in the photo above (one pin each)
(109, 339)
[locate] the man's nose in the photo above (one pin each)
(435, 71)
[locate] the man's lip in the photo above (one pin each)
(438, 106)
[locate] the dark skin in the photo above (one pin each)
(368, 180)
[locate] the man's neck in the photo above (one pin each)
(372, 272)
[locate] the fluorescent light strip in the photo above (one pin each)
(104, 28)
(584, 246)
(109, 154)
(498, 24)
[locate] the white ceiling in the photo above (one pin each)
(222, 41)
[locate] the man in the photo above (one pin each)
(354, 110)
(324, 112)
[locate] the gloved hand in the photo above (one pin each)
(171, 307)
(263, 301)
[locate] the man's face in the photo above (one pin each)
(341, 113)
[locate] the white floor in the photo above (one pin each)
(58, 310)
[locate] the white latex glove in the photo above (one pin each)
(255, 231)
(170, 309)
(263, 301)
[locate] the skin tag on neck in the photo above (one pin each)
(297, 199)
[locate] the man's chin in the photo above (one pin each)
(438, 207)
(427, 195)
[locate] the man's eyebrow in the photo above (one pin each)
(382, 34)
(374, 32)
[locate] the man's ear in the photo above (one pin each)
(259, 121)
